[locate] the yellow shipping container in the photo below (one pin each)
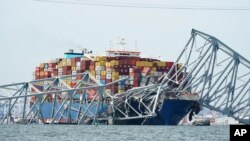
(108, 64)
(179, 66)
(114, 78)
(97, 63)
(42, 65)
(92, 73)
(59, 65)
(68, 63)
(161, 64)
(68, 82)
(115, 74)
(138, 63)
(103, 58)
(103, 72)
(114, 62)
(121, 91)
(41, 73)
(100, 58)
(100, 63)
(150, 64)
(73, 68)
(154, 69)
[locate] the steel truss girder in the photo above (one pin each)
(222, 84)
(57, 86)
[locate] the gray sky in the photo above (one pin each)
(32, 32)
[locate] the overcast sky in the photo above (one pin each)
(32, 32)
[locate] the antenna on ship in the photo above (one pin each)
(135, 45)
(121, 42)
(110, 45)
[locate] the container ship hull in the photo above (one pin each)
(170, 113)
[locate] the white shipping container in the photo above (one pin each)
(98, 68)
(74, 72)
(78, 68)
(78, 64)
(108, 76)
(60, 70)
(131, 82)
(60, 74)
(98, 81)
(68, 60)
(130, 70)
(98, 72)
(102, 67)
(98, 77)
(109, 71)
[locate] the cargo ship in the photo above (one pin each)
(116, 64)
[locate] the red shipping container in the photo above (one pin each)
(37, 77)
(92, 63)
(69, 72)
(92, 68)
(65, 68)
(73, 84)
(38, 69)
(108, 81)
(37, 73)
(169, 64)
(74, 60)
(55, 70)
(47, 74)
(64, 73)
(135, 84)
(73, 64)
(79, 77)
(52, 65)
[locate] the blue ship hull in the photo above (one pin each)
(47, 112)
(170, 113)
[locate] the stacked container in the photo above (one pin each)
(105, 69)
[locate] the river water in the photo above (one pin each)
(112, 133)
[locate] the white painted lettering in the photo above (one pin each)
(237, 132)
